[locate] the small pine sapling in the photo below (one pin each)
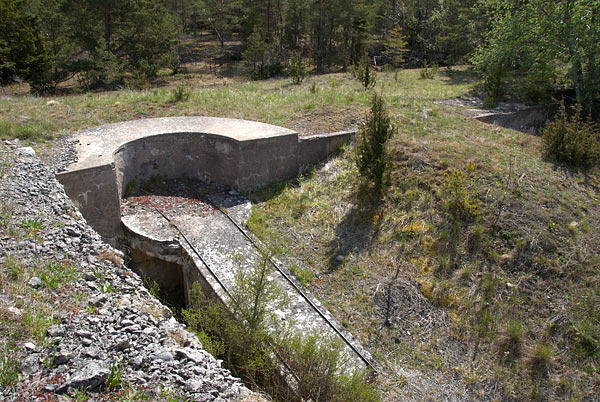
(373, 156)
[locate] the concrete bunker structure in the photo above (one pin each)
(237, 153)
(189, 247)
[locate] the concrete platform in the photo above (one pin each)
(238, 153)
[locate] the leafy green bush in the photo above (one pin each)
(373, 157)
(317, 363)
(572, 140)
(241, 336)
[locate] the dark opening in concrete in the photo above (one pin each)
(162, 277)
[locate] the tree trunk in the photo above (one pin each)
(320, 38)
(107, 26)
(268, 21)
(576, 65)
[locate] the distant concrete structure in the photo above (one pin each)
(237, 153)
(528, 119)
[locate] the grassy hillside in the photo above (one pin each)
(481, 263)
(480, 267)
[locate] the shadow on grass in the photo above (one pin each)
(357, 229)
(459, 77)
(589, 173)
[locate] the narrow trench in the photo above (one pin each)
(167, 222)
(162, 278)
(161, 266)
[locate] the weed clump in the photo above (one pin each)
(9, 366)
(539, 359)
(572, 140)
(510, 341)
(460, 203)
(179, 94)
(373, 156)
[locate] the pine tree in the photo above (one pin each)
(395, 45)
(22, 53)
(373, 156)
(117, 37)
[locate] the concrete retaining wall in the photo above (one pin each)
(94, 191)
(315, 148)
(240, 154)
(529, 120)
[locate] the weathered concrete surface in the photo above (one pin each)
(213, 250)
(240, 154)
(526, 119)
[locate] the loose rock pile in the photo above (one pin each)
(114, 327)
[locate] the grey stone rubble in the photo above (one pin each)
(118, 321)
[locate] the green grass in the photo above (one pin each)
(322, 103)
(9, 366)
(482, 227)
(57, 273)
(495, 249)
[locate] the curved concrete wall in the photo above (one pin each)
(236, 153)
(177, 155)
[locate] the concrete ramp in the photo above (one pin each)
(207, 240)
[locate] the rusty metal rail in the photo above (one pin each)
(366, 360)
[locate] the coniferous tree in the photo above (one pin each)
(373, 158)
(118, 37)
(22, 52)
(221, 16)
(395, 46)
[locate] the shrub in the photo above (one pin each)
(296, 69)
(429, 73)
(460, 204)
(317, 363)
(179, 94)
(240, 336)
(572, 140)
(373, 158)
(489, 102)
(247, 336)
(364, 74)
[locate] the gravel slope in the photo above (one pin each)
(103, 320)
